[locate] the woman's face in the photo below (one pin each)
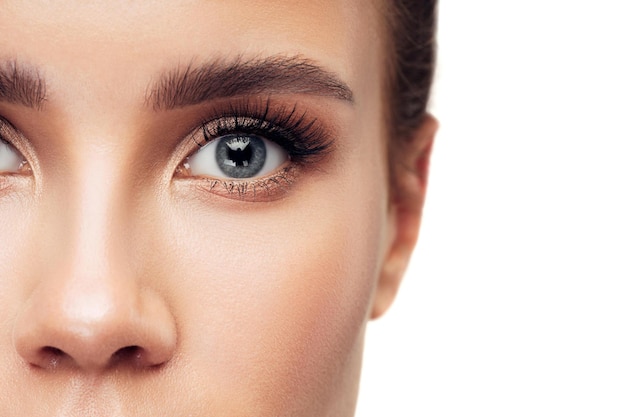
(144, 273)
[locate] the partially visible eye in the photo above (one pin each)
(237, 156)
(11, 161)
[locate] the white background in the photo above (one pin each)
(515, 301)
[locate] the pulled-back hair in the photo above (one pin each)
(412, 27)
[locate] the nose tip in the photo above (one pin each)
(94, 336)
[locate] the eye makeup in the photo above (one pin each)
(304, 138)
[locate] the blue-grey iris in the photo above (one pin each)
(240, 156)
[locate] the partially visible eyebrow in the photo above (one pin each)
(191, 85)
(21, 85)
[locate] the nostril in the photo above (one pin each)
(51, 357)
(123, 332)
(130, 354)
(127, 352)
(49, 350)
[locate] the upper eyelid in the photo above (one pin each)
(3, 126)
(10, 134)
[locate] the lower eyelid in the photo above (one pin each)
(265, 189)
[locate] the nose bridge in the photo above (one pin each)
(90, 214)
(97, 215)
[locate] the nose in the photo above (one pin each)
(92, 326)
(91, 321)
(90, 307)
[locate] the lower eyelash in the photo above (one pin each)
(263, 189)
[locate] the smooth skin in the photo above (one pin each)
(130, 289)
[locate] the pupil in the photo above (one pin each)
(240, 157)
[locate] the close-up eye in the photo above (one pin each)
(11, 161)
(254, 150)
(236, 156)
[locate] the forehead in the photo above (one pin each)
(107, 38)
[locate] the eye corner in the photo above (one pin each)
(14, 151)
(12, 161)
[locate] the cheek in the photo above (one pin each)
(14, 235)
(276, 297)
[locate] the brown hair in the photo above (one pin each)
(412, 25)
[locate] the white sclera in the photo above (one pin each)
(10, 159)
(204, 163)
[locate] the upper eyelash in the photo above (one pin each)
(301, 136)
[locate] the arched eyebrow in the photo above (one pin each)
(185, 86)
(21, 84)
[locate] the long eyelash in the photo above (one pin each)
(301, 136)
